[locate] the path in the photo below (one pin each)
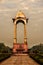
(19, 60)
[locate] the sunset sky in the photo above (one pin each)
(33, 9)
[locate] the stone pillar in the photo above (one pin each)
(15, 33)
(25, 37)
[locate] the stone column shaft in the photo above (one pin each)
(25, 37)
(15, 33)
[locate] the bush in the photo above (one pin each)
(5, 52)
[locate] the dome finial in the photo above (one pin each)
(20, 14)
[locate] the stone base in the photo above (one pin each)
(20, 48)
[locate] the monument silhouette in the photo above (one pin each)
(17, 47)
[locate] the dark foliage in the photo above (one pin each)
(5, 52)
(36, 52)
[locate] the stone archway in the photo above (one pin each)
(15, 31)
(20, 17)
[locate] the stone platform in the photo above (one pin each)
(20, 48)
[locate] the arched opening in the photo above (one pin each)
(20, 21)
(20, 31)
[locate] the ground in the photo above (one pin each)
(19, 59)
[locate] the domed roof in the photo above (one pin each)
(20, 14)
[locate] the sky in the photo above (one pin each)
(33, 10)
